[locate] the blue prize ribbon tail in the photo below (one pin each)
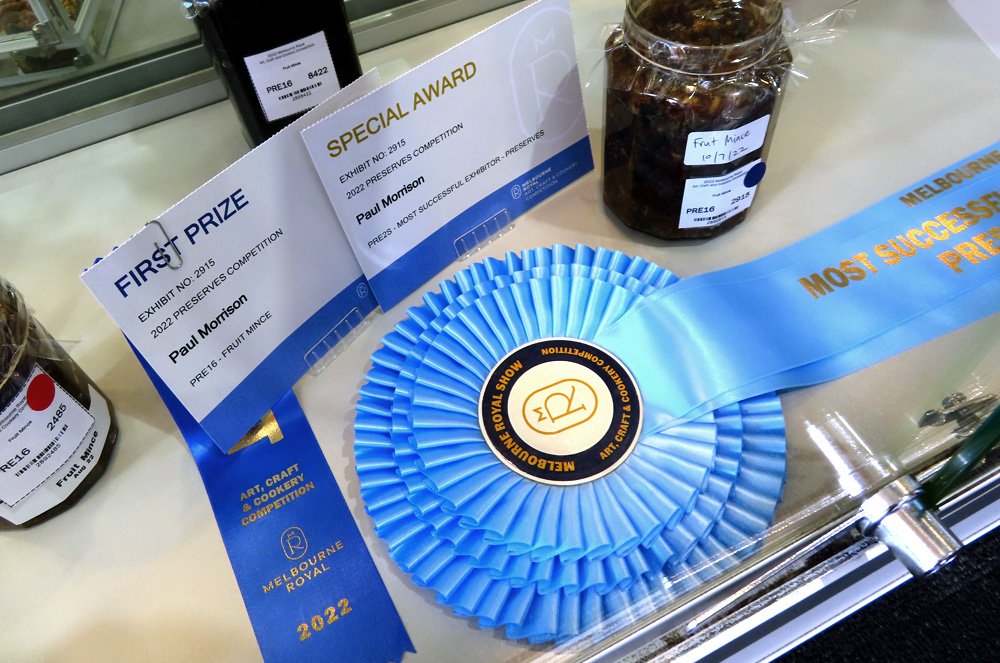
(310, 587)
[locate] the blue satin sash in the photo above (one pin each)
(884, 280)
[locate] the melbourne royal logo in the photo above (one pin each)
(560, 411)
(293, 543)
(559, 406)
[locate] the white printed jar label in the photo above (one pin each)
(710, 148)
(708, 201)
(39, 431)
(294, 77)
(58, 487)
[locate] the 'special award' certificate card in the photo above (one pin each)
(447, 155)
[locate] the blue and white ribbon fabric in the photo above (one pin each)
(548, 561)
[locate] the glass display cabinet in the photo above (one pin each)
(43, 38)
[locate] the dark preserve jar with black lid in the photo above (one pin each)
(693, 89)
(57, 429)
(277, 60)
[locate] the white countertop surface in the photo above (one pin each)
(137, 571)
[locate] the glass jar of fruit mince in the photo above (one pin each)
(57, 430)
(693, 88)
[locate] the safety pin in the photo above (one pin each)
(170, 264)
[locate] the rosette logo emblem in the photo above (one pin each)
(559, 406)
(560, 411)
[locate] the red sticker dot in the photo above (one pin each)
(41, 392)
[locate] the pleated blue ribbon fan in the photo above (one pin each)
(549, 561)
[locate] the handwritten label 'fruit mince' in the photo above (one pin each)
(715, 147)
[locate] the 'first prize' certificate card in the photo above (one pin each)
(227, 294)
(454, 149)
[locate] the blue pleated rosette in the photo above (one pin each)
(548, 561)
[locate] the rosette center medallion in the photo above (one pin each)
(560, 411)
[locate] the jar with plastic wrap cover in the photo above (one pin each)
(693, 89)
(57, 430)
